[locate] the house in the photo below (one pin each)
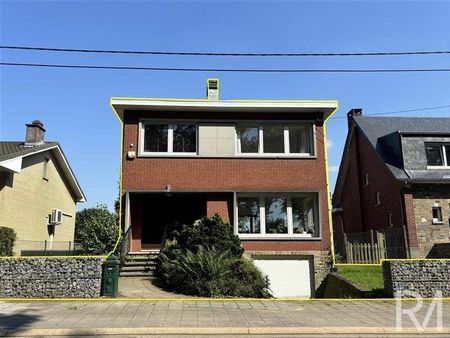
(260, 164)
(394, 178)
(38, 193)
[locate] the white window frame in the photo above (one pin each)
(285, 126)
(445, 160)
(169, 152)
(262, 216)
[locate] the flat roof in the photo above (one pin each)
(120, 104)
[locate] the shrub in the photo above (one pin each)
(7, 238)
(205, 259)
(96, 230)
(209, 232)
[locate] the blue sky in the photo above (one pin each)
(73, 104)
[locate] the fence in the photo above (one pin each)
(372, 246)
(45, 248)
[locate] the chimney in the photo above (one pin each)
(212, 89)
(35, 134)
(353, 112)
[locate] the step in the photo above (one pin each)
(136, 274)
(138, 268)
(144, 263)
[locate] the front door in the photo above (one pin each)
(162, 210)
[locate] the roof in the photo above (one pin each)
(121, 104)
(389, 137)
(12, 152)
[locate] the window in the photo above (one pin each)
(279, 215)
(377, 199)
(366, 179)
(437, 215)
(248, 139)
(45, 170)
(248, 215)
(168, 138)
(275, 139)
(438, 155)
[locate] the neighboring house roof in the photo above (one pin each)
(11, 154)
(389, 136)
(121, 104)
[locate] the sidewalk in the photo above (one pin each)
(231, 317)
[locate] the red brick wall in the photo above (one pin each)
(359, 202)
(229, 174)
(221, 204)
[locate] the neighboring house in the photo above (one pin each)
(38, 193)
(395, 175)
(259, 164)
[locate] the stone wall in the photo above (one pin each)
(422, 276)
(50, 277)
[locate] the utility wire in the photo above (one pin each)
(395, 112)
(238, 70)
(106, 51)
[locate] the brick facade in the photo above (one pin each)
(219, 175)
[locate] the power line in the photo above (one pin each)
(106, 51)
(396, 112)
(238, 70)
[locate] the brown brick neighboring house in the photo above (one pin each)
(395, 178)
(36, 181)
(259, 164)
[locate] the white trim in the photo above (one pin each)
(13, 164)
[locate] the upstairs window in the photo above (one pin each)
(275, 139)
(168, 138)
(437, 215)
(438, 155)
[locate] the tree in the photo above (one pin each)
(96, 230)
(7, 238)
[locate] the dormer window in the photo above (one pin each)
(438, 155)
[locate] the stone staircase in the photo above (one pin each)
(139, 264)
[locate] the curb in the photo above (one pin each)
(218, 331)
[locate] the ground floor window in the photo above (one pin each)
(277, 214)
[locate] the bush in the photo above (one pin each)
(7, 238)
(205, 259)
(96, 230)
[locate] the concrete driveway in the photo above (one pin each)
(209, 317)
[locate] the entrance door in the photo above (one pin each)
(162, 210)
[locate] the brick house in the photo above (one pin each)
(38, 193)
(259, 164)
(395, 175)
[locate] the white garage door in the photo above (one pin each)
(288, 278)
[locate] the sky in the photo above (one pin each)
(73, 103)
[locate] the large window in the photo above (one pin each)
(158, 138)
(275, 139)
(438, 155)
(277, 215)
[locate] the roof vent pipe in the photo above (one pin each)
(212, 89)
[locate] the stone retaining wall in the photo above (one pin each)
(422, 276)
(50, 277)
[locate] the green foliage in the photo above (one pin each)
(7, 238)
(209, 232)
(205, 259)
(208, 273)
(96, 230)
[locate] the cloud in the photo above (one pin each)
(333, 168)
(330, 143)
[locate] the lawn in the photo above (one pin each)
(367, 277)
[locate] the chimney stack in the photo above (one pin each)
(35, 134)
(353, 112)
(212, 89)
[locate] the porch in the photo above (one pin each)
(148, 215)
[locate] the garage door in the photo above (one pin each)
(288, 278)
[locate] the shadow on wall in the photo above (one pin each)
(15, 322)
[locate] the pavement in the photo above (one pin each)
(197, 317)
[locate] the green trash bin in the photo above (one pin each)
(110, 280)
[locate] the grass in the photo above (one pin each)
(367, 277)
